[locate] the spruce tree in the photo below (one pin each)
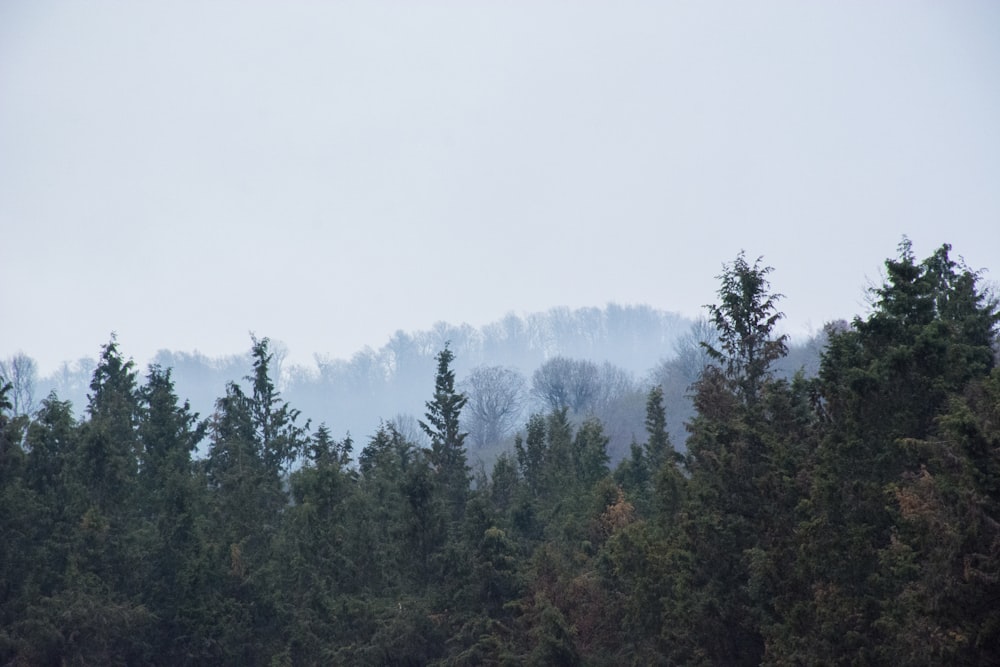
(173, 500)
(442, 426)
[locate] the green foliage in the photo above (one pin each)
(443, 427)
(107, 463)
(745, 320)
(846, 519)
(883, 382)
(651, 475)
(531, 454)
(943, 550)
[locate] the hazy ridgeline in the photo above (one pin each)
(618, 353)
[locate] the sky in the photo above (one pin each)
(325, 173)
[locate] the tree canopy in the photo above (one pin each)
(844, 517)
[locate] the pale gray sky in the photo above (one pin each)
(325, 173)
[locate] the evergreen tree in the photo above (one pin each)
(15, 549)
(884, 381)
(944, 544)
(107, 558)
(254, 440)
(745, 320)
(652, 469)
(715, 618)
(443, 427)
(590, 453)
(531, 454)
(314, 568)
(174, 504)
(379, 554)
(279, 440)
(659, 450)
(108, 461)
(83, 606)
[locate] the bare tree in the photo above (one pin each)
(613, 382)
(496, 402)
(22, 373)
(692, 356)
(566, 383)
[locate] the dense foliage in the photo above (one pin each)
(847, 517)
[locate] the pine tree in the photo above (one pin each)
(174, 502)
(105, 468)
(254, 441)
(442, 426)
(667, 480)
(885, 381)
(108, 462)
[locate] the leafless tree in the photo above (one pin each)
(563, 382)
(496, 401)
(692, 357)
(21, 372)
(408, 427)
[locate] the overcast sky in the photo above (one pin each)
(325, 173)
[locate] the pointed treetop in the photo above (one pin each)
(746, 319)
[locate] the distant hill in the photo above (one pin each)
(638, 345)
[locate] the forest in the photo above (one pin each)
(849, 515)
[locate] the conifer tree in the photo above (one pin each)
(108, 461)
(658, 447)
(745, 320)
(531, 454)
(885, 381)
(174, 503)
(944, 547)
(254, 440)
(443, 427)
(715, 619)
(105, 471)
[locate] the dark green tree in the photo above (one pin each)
(378, 553)
(944, 544)
(714, 618)
(443, 427)
(107, 554)
(659, 450)
(280, 440)
(745, 319)
(254, 439)
(16, 510)
(174, 503)
(590, 453)
(652, 469)
(108, 461)
(84, 595)
(884, 381)
(530, 452)
(315, 569)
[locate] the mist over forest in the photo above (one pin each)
(592, 487)
(613, 355)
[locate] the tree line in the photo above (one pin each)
(846, 516)
(602, 362)
(377, 383)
